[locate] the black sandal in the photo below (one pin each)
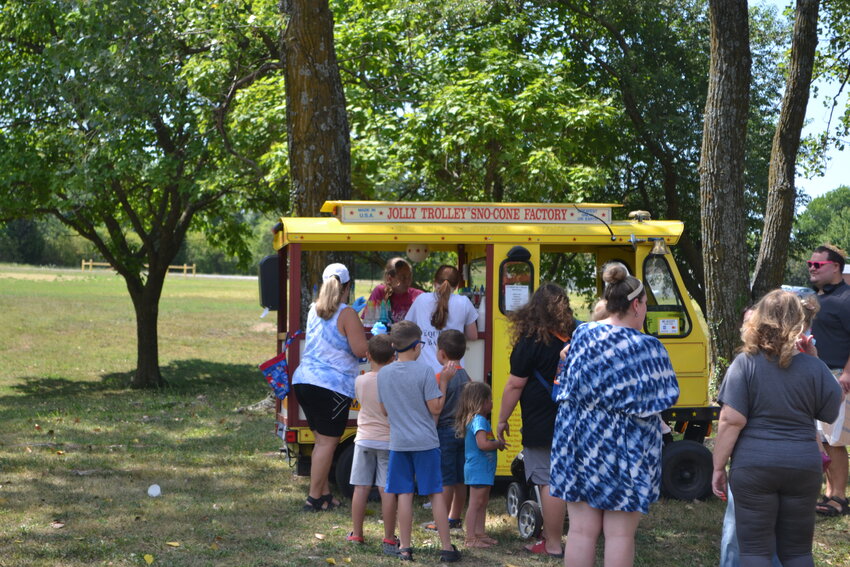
(824, 508)
(329, 498)
(405, 554)
(314, 504)
(449, 556)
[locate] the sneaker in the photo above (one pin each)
(390, 546)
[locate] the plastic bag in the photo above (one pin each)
(276, 370)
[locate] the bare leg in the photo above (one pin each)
(836, 472)
(554, 510)
(585, 527)
(475, 516)
(358, 509)
(320, 464)
(389, 507)
(441, 518)
(458, 501)
(405, 519)
(481, 520)
(619, 529)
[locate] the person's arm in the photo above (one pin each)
(488, 444)
(351, 326)
(844, 378)
(435, 405)
(510, 397)
(729, 428)
(471, 331)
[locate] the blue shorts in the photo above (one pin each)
(452, 456)
(414, 468)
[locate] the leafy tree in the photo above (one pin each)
(118, 119)
(722, 175)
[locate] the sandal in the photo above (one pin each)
(354, 538)
(405, 554)
(449, 555)
(329, 498)
(314, 504)
(824, 508)
(390, 546)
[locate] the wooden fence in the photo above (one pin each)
(91, 264)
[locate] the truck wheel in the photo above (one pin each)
(686, 468)
(342, 471)
(529, 520)
(514, 498)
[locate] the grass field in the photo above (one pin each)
(79, 449)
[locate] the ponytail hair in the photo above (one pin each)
(330, 296)
(446, 280)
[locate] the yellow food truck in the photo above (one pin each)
(498, 248)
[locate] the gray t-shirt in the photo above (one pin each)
(780, 405)
(456, 384)
(404, 388)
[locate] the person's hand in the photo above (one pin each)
(501, 445)
(448, 371)
(718, 483)
(844, 380)
(503, 429)
(564, 351)
(806, 344)
(359, 304)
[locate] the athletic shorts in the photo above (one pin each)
(419, 469)
(369, 467)
(452, 456)
(326, 410)
(537, 462)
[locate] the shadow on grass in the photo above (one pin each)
(189, 376)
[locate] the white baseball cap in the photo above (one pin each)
(338, 270)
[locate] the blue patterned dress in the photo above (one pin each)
(607, 445)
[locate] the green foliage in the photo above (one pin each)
(825, 220)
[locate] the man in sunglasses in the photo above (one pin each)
(831, 328)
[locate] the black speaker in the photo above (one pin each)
(270, 282)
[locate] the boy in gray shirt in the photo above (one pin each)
(412, 398)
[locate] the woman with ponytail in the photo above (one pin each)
(324, 380)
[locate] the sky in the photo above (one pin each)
(837, 170)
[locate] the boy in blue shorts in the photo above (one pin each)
(412, 398)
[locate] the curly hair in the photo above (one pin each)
(547, 313)
(776, 322)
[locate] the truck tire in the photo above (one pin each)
(342, 471)
(686, 468)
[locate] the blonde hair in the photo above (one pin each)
(330, 296)
(471, 403)
(446, 280)
(776, 322)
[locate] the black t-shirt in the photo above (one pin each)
(831, 327)
(538, 409)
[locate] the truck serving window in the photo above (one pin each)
(666, 315)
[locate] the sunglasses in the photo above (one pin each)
(819, 265)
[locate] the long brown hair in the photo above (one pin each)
(774, 326)
(548, 313)
(446, 280)
(472, 399)
(391, 270)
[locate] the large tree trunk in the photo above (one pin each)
(146, 304)
(722, 177)
(316, 120)
(782, 195)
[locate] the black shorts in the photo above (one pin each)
(326, 410)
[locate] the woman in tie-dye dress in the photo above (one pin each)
(606, 453)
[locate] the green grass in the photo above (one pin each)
(78, 448)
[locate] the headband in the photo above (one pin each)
(410, 346)
(636, 292)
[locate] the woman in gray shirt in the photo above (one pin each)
(771, 395)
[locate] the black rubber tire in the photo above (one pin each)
(342, 471)
(515, 495)
(686, 469)
(529, 520)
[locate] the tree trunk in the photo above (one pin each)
(782, 194)
(146, 304)
(316, 121)
(721, 171)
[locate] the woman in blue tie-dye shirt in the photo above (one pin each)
(606, 452)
